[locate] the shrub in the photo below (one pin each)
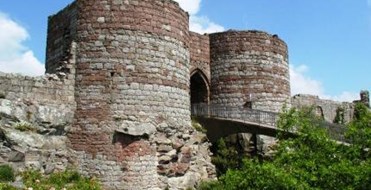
(2, 96)
(62, 178)
(339, 118)
(210, 185)
(310, 160)
(6, 173)
(226, 157)
(31, 176)
(68, 179)
(4, 186)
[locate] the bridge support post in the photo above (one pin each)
(255, 141)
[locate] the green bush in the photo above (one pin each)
(226, 157)
(31, 177)
(310, 160)
(339, 118)
(359, 130)
(6, 173)
(210, 185)
(68, 179)
(4, 186)
(2, 96)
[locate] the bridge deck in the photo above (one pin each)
(235, 113)
(229, 120)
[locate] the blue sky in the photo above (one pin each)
(329, 41)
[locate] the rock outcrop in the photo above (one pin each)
(33, 135)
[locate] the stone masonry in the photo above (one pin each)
(118, 87)
(121, 76)
(249, 67)
(200, 54)
(131, 126)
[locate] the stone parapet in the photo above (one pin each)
(47, 89)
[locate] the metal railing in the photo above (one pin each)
(255, 116)
(235, 113)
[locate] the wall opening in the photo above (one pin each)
(199, 88)
(319, 112)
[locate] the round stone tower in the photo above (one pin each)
(249, 68)
(132, 126)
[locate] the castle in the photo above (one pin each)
(122, 75)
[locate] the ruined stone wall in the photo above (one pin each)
(132, 124)
(61, 34)
(35, 112)
(325, 108)
(249, 67)
(200, 53)
(48, 89)
(45, 99)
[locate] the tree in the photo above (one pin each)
(226, 157)
(359, 130)
(311, 160)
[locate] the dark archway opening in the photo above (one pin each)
(199, 89)
(319, 112)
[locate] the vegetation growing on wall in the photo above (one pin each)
(24, 126)
(339, 118)
(312, 160)
(196, 125)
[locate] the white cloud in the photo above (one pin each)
(14, 56)
(303, 84)
(198, 23)
(344, 97)
(191, 6)
(204, 25)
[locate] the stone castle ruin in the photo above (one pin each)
(121, 78)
